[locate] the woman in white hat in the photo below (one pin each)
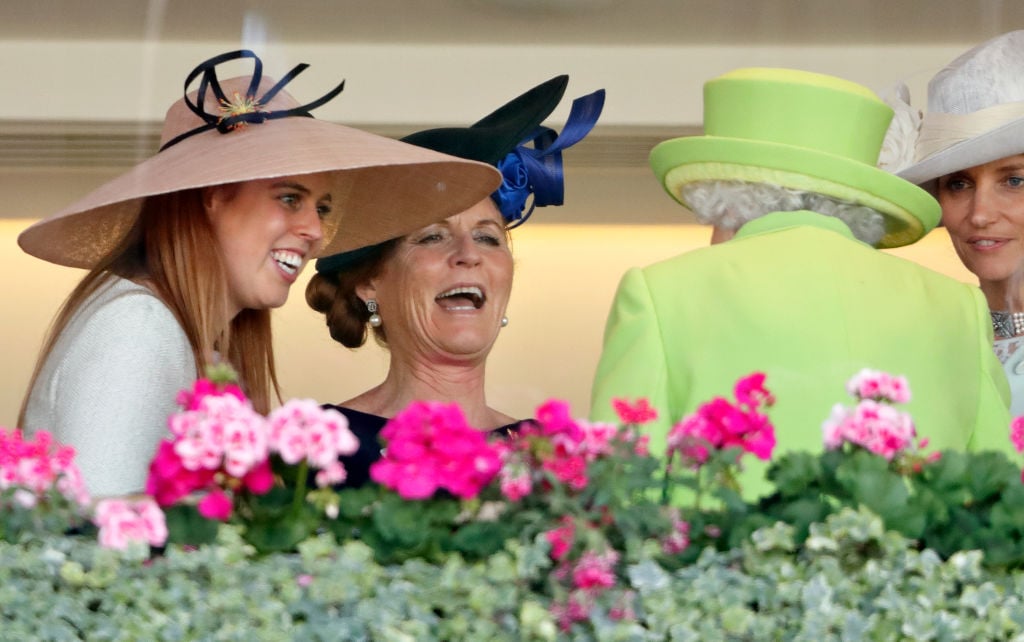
(969, 152)
(189, 250)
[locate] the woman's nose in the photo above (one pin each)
(984, 208)
(307, 224)
(466, 251)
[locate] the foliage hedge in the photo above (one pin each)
(850, 579)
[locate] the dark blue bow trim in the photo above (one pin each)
(537, 170)
(226, 123)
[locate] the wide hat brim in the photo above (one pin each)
(381, 187)
(999, 142)
(910, 212)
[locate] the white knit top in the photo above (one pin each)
(110, 383)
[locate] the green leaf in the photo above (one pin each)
(795, 472)
(868, 480)
(400, 521)
(354, 503)
(990, 472)
(186, 526)
(481, 539)
(279, 535)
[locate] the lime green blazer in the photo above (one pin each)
(795, 296)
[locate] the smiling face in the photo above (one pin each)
(442, 292)
(983, 209)
(267, 230)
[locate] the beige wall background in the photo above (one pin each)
(116, 66)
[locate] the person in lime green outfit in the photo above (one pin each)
(786, 174)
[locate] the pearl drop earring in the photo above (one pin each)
(371, 307)
(504, 321)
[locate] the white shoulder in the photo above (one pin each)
(111, 381)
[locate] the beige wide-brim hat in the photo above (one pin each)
(381, 188)
(975, 112)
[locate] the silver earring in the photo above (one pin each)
(371, 307)
(504, 321)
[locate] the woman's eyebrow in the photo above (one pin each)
(299, 187)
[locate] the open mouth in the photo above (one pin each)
(462, 298)
(289, 262)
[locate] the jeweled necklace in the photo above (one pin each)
(1007, 324)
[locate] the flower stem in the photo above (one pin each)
(667, 482)
(300, 487)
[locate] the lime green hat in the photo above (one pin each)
(800, 130)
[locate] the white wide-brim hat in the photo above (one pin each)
(248, 128)
(975, 112)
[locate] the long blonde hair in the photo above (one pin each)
(172, 249)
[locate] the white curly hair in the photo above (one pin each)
(730, 204)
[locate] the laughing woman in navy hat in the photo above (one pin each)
(436, 297)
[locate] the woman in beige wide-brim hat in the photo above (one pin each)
(189, 250)
(969, 152)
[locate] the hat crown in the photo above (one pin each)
(982, 77)
(181, 119)
(797, 109)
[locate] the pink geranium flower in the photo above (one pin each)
(638, 413)
(515, 480)
(34, 466)
(301, 429)
(216, 505)
(169, 480)
(332, 474)
(1017, 433)
(595, 571)
(561, 539)
(678, 539)
(872, 424)
(720, 424)
(122, 522)
(219, 446)
(751, 393)
(429, 447)
(879, 386)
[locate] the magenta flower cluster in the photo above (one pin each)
(873, 424)
(720, 424)
(220, 446)
(555, 444)
(429, 446)
(1017, 437)
(555, 448)
(30, 468)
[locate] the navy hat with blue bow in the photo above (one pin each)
(528, 155)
